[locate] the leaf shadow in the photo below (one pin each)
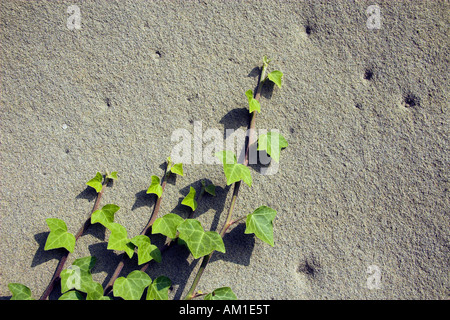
(238, 245)
(143, 199)
(177, 265)
(96, 230)
(107, 260)
(41, 255)
(235, 119)
(88, 193)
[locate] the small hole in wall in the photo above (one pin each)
(368, 74)
(411, 100)
(308, 29)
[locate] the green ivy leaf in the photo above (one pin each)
(112, 175)
(210, 188)
(272, 142)
(19, 291)
(253, 104)
(234, 171)
(96, 182)
(159, 289)
(260, 223)
(275, 77)
(199, 242)
(78, 276)
(71, 295)
(155, 187)
(95, 292)
(189, 200)
(58, 236)
(177, 169)
(146, 250)
(167, 225)
(105, 215)
(224, 293)
(132, 287)
(118, 240)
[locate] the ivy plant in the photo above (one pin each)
(77, 281)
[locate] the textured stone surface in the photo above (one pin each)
(363, 182)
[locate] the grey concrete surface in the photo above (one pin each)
(363, 182)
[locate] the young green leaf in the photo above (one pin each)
(177, 169)
(105, 215)
(78, 276)
(234, 171)
(146, 250)
(95, 292)
(189, 200)
(132, 287)
(199, 242)
(159, 289)
(275, 77)
(58, 236)
(155, 187)
(210, 188)
(167, 225)
(118, 240)
(260, 223)
(272, 142)
(112, 175)
(96, 182)
(253, 104)
(71, 295)
(224, 293)
(19, 291)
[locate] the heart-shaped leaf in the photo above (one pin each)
(260, 222)
(189, 200)
(155, 187)
(118, 239)
(275, 77)
(19, 291)
(132, 287)
(105, 215)
(167, 225)
(95, 292)
(96, 182)
(210, 188)
(159, 289)
(177, 169)
(112, 175)
(224, 293)
(71, 295)
(272, 142)
(78, 276)
(199, 242)
(234, 171)
(58, 236)
(146, 250)
(253, 104)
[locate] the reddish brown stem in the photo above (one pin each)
(62, 261)
(249, 141)
(145, 231)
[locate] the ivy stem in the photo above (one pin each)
(62, 261)
(170, 242)
(146, 229)
(249, 141)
